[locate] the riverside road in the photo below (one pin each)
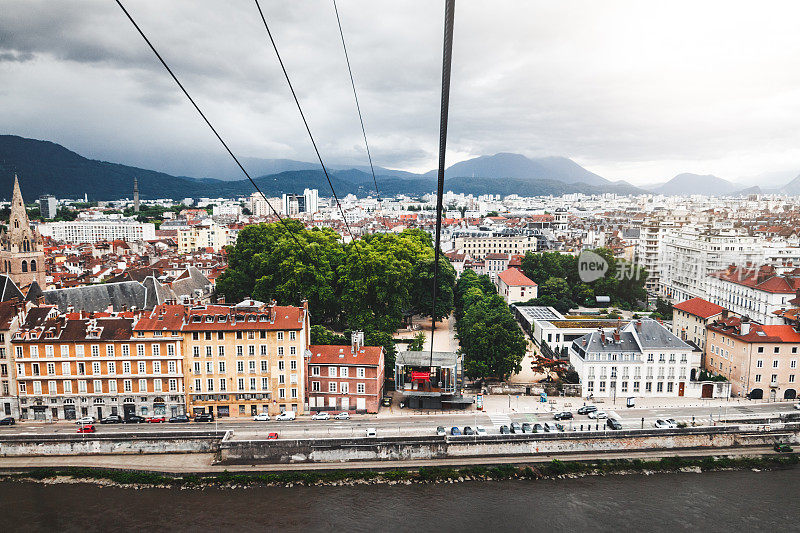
(426, 424)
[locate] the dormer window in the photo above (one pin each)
(209, 319)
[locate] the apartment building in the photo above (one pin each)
(245, 359)
(690, 254)
(760, 361)
(100, 229)
(207, 235)
(495, 263)
(11, 316)
(641, 359)
(479, 244)
(346, 378)
(756, 292)
(690, 318)
(69, 366)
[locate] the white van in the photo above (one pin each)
(286, 415)
(372, 432)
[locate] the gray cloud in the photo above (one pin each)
(632, 90)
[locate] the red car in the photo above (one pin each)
(86, 429)
(272, 436)
(156, 419)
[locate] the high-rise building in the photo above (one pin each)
(136, 195)
(21, 248)
(48, 206)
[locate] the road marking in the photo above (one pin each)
(499, 419)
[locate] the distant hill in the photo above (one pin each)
(48, 168)
(687, 184)
(792, 188)
(517, 166)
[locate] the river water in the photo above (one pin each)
(719, 501)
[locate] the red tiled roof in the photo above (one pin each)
(699, 307)
(164, 317)
(758, 334)
(286, 317)
(514, 278)
(764, 279)
(329, 354)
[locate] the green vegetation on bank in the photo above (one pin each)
(560, 285)
(554, 468)
(491, 341)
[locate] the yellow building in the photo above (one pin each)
(240, 360)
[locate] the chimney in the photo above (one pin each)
(744, 329)
(602, 337)
(724, 314)
(617, 338)
(356, 341)
(272, 310)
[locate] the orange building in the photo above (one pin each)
(70, 366)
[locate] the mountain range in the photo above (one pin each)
(45, 167)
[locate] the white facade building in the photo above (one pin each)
(755, 293)
(642, 359)
(91, 231)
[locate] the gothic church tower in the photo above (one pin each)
(21, 248)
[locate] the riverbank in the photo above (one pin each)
(555, 469)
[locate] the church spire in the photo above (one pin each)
(19, 215)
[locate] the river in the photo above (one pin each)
(718, 501)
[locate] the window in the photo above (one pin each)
(648, 387)
(252, 383)
(774, 378)
(293, 366)
(775, 363)
(759, 363)
(51, 369)
(170, 350)
(758, 378)
(142, 385)
(776, 349)
(222, 367)
(590, 386)
(344, 387)
(624, 386)
(240, 350)
(210, 383)
(361, 372)
(282, 379)
(157, 385)
(220, 335)
(66, 369)
(794, 349)
(140, 350)
(112, 367)
(332, 371)
(251, 350)
(51, 388)
(156, 367)
(251, 366)
(280, 335)
(264, 383)
(197, 383)
(67, 387)
(292, 335)
(221, 351)
(332, 387)
(209, 367)
(37, 387)
(112, 385)
(602, 386)
(760, 349)
(172, 367)
(294, 392)
(791, 378)
(64, 350)
(209, 351)
(315, 386)
(263, 349)
(109, 350)
(196, 351)
(292, 350)
(635, 386)
(315, 371)
(281, 393)
(280, 350)
(48, 351)
(127, 385)
(23, 388)
(223, 384)
(669, 386)
(240, 366)
(251, 334)
(281, 365)
(239, 335)
(173, 385)
(793, 363)
(361, 388)
(126, 350)
(96, 368)
(240, 383)
(97, 386)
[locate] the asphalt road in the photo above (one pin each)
(418, 424)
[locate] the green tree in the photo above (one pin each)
(322, 335)
(423, 287)
(418, 342)
(555, 287)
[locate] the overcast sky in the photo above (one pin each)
(631, 90)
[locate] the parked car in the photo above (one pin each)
(178, 419)
(564, 415)
(527, 428)
(8, 421)
(86, 428)
(323, 415)
(586, 409)
(551, 427)
(480, 430)
(597, 415)
(515, 427)
(84, 420)
(455, 430)
(613, 423)
(261, 417)
(468, 430)
(663, 424)
(440, 431)
(538, 428)
(135, 419)
(203, 417)
(286, 415)
(112, 419)
(504, 430)
(156, 419)
(272, 436)
(782, 447)
(672, 421)
(344, 415)
(372, 432)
